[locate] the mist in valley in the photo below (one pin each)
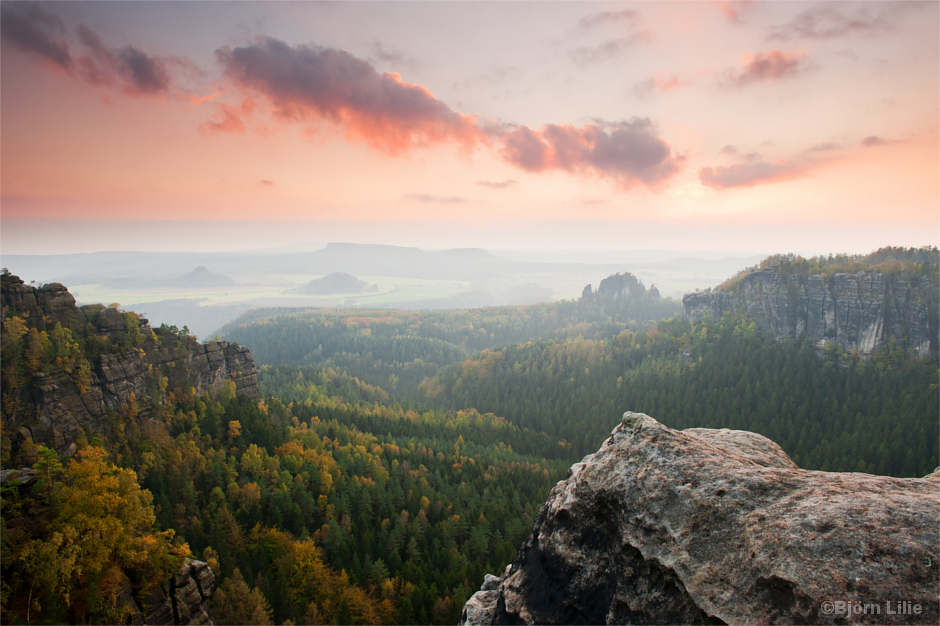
(208, 289)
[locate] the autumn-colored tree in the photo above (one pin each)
(233, 603)
(77, 566)
(234, 430)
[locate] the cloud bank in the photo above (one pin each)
(310, 83)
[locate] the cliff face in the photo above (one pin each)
(50, 406)
(859, 311)
(716, 526)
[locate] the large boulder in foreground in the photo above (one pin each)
(714, 526)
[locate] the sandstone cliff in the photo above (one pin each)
(185, 602)
(860, 311)
(51, 405)
(709, 527)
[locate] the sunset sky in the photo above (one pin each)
(759, 126)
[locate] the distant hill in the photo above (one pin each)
(202, 277)
(337, 282)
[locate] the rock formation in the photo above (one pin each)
(185, 602)
(52, 407)
(859, 311)
(617, 288)
(715, 526)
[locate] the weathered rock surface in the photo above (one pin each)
(185, 602)
(707, 527)
(23, 476)
(54, 408)
(854, 311)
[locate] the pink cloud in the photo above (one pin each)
(627, 152)
(660, 83)
(733, 9)
(749, 174)
(308, 83)
(526, 149)
(313, 83)
(766, 66)
(497, 184)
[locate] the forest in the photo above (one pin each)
(396, 457)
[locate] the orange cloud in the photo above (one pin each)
(733, 9)
(198, 100)
(660, 83)
(229, 119)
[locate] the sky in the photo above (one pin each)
(745, 126)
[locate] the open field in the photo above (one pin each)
(390, 290)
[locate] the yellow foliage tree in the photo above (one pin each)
(101, 529)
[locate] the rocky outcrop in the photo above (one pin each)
(720, 527)
(23, 476)
(61, 408)
(41, 307)
(52, 406)
(861, 311)
(617, 288)
(186, 601)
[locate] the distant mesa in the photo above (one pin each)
(335, 283)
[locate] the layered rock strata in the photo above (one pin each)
(719, 527)
(53, 408)
(186, 601)
(861, 311)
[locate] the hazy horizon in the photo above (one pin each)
(577, 238)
